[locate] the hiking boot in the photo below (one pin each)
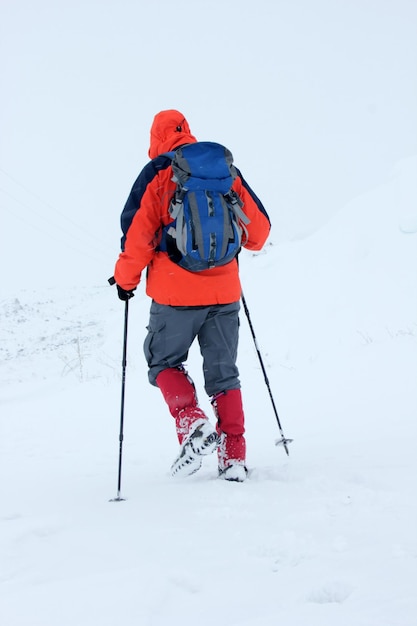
(186, 463)
(236, 471)
(201, 440)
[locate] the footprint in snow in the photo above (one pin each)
(333, 592)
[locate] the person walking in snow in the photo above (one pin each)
(187, 305)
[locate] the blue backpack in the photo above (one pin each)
(208, 221)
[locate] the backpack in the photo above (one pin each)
(208, 221)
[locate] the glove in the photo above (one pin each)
(125, 294)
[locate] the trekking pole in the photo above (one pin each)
(118, 498)
(283, 441)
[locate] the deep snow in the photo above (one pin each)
(324, 537)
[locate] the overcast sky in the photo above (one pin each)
(316, 99)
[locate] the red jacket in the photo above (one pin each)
(146, 211)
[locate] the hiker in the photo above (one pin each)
(188, 304)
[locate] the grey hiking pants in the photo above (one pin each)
(172, 330)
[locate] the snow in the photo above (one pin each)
(325, 536)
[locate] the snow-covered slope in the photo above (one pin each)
(324, 537)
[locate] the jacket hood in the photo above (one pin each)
(168, 131)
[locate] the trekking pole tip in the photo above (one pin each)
(284, 442)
